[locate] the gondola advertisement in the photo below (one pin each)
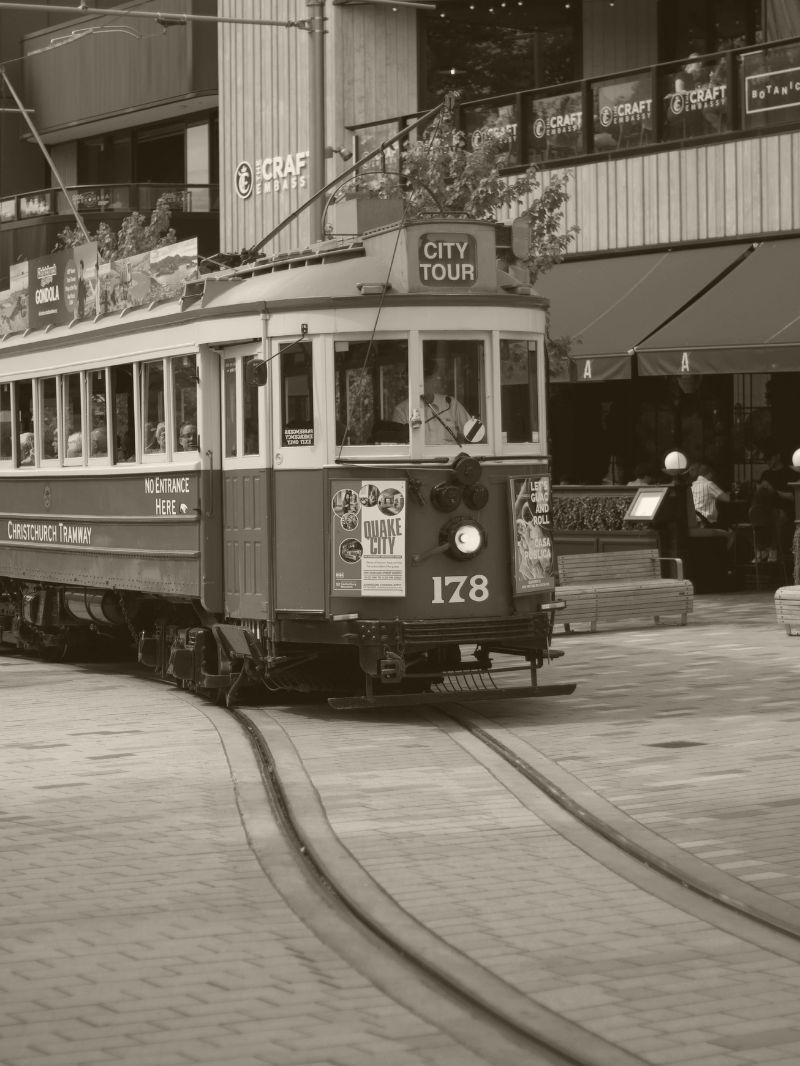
(533, 542)
(368, 538)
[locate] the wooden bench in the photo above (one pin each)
(787, 608)
(618, 586)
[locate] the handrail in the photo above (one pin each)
(117, 196)
(669, 117)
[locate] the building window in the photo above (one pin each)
(484, 50)
(703, 26)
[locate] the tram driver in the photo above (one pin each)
(443, 415)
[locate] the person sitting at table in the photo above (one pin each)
(644, 474)
(779, 476)
(705, 495)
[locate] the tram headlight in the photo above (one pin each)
(464, 537)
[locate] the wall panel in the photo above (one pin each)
(264, 102)
(737, 189)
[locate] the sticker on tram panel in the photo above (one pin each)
(368, 538)
(532, 537)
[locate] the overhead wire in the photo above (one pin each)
(443, 108)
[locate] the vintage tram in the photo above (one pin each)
(325, 472)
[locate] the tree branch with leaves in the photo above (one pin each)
(135, 234)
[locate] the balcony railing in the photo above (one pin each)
(748, 89)
(92, 199)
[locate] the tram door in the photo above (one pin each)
(244, 488)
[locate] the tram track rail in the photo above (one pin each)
(491, 1016)
(500, 1015)
(631, 837)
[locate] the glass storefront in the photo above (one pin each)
(483, 49)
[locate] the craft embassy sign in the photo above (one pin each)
(272, 174)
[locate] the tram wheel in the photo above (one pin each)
(55, 652)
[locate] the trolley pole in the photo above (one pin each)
(316, 112)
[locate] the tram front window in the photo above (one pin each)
(371, 380)
(519, 392)
(452, 404)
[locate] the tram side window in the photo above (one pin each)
(371, 381)
(229, 400)
(73, 415)
(297, 394)
(519, 392)
(5, 421)
(122, 413)
(49, 410)
(25, 423)
(250, 395)
(454, 393)
(184, 396)
(98, 414)
(153, 410)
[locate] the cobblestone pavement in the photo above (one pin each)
(139, 928)
(136, 925)
(490, 875)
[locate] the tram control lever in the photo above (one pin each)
(415, 559)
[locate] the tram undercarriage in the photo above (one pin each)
(358, 663)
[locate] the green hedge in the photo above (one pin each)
(595, 513)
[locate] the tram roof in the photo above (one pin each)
(336, 273)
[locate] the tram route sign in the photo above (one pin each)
(448, 259)
(368, 538)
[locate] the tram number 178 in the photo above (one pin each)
(452, 590)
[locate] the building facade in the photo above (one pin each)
(127, 110)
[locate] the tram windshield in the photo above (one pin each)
(519, 392)
(451, 405)
(371, 380)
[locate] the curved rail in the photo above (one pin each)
(631, 837)
(537, 1033)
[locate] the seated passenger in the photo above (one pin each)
(159, 440)
(98, 442)
(444, 417)
(125, 450)
(26, 455)
(74, 446)
(187, 437)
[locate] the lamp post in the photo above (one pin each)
(676, 465)
(316, 112)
